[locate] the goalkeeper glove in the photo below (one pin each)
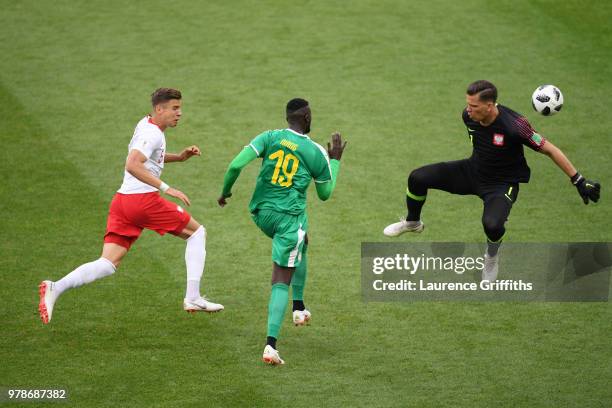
(588, 190)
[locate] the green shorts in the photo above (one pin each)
(287, 232)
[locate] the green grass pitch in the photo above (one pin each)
(390, 75)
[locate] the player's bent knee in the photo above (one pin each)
(493, 226)
(281, 274)
(285, 280)
(200, 231)
(115, 262)
(417, 180)
(492, 222)
(112, 264)
(192, 226)
(113, 253)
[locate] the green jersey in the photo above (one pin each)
(290, 161)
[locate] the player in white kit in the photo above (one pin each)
(138, 205)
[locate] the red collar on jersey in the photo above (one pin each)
(151, 121)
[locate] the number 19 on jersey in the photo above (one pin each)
(289, 165)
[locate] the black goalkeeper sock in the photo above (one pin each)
(298, 305)
(414, 209)
(271, 341)
(493, 247)
(416, 193)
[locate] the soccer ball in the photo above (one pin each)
(547, 100)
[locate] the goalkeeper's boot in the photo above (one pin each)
(301, 317)
(201, 304)
(270, 356)
(491, 267)
(48, 296)
(398, 228)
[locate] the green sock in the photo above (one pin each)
(298, 281)
(276, 308)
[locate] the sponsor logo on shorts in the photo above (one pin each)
(498, 139)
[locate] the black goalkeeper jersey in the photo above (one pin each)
(498, 148)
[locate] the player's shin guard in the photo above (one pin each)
(298, 281)
(494, 216)
(416, 193)
(195, 258)
(85, 274)
(495, 230)
(414, 204)
(493, 247)
(276, 308)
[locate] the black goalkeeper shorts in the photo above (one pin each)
(459, 177)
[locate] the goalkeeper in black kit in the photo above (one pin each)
(493, 172)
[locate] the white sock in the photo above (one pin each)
(85, 273)
(195, 258)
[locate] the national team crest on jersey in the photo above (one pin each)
(498, 139)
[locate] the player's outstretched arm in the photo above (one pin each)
(243, 158)
(558, 157)
(186, 154)
(588, 190)
(135, 166)
(335, 150)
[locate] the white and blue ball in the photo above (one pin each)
(547, 100)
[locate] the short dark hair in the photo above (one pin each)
(295, 105)
(486, 91)
(162, 95)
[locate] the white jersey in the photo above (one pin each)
(150, 141)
